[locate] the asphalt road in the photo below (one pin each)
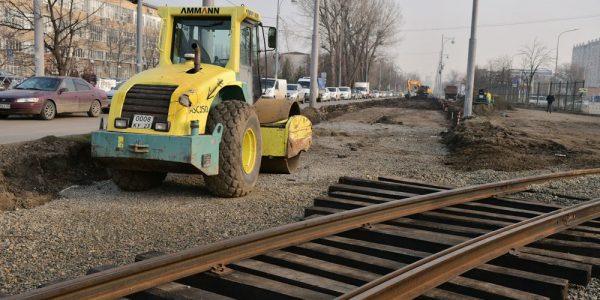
(22, 128)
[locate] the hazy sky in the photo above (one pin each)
(424, 22)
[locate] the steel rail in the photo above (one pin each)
(423, 275)
(139, 276)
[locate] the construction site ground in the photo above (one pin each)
(86, 221)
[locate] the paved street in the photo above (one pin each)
(20, 129)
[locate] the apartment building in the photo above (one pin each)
(587, 57)
(106, 42)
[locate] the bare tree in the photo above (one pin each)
(533, 57)
(354, 32)
(570, 72)
(64, 18)
(151, 53)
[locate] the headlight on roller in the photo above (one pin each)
(28, 100)
(185, 100)
(162, 126)
(121, 123)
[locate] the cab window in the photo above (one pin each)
(246, 45)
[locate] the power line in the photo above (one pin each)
(501, 24)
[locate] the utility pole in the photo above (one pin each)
(277, 41)
(207, 40)
(468, 107)
(380, 67)
(314, 66)
(140, 37)
(340, 52)
(38, 25)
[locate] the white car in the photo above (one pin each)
(324, 95)
(304, 82)
(272, 88)
(294, 92)
(345, 93)
(335, 93)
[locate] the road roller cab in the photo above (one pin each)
(201, 110)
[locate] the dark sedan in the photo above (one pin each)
(47, 96)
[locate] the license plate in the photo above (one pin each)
(142, 121)
(5, 105)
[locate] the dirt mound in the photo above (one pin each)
(333, 111)
(480, 144)
(387, 120)
(32, 173)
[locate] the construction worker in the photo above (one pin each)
(488, 97)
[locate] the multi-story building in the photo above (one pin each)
(105, 42)
(587, 57)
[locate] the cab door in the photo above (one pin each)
(246, 59)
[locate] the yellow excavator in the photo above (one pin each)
(417, 91)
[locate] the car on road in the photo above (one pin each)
(47, 96)
(356, 94)
(273, 88)
(294, 92)
(334, 92)
(345, 93)
(111, 93)
(324, 95)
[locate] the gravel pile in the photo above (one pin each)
(98, 224)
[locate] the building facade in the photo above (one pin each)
(106, 42)
(587, 57)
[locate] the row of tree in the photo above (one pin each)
(354, 35)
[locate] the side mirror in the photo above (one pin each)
(62, 90)
(272, 41)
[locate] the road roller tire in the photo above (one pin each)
(240, 149)
(280, 165)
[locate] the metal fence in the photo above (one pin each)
(568, 96)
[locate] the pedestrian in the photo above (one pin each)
(89, 75)
(550, 100)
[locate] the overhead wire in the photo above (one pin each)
(501, 24)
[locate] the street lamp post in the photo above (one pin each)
(38, 37)
(140, 37)
(557, 44)
(277, 37)
(438, 82)
(314, 66)
(468, 106)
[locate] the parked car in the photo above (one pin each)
(356, 94)
(111, 93)
(47, 96)
(295, 93)
(272, 88)
(345, 93)
(374, 94)
(334, 92)
(324, 95)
